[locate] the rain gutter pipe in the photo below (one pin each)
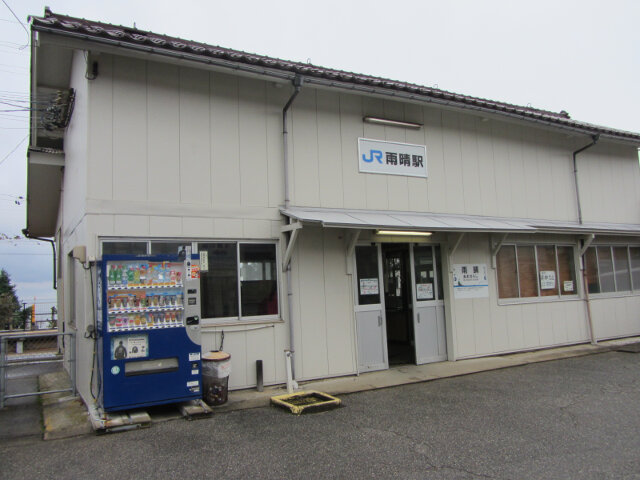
(26, 233)
(595, 139)
(297, 84)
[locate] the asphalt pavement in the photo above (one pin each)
(563, 419)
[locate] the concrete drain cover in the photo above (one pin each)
(306, 402)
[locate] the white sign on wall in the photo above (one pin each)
(392, 158)
(547, 279)
(470, 281)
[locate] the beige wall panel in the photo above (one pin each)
(260, 346)
(225, 142)
(560, 321)
(603, 317)
(304, 158)
(296, 313)
(562, 178)
(436, 183)
(131, 225)
(100, 158)
(483, 326)
(165, 226)
(74, 181)
(397, 186)
(351, 127)
(197, 227)
(486, 169)
(515, 327)
(501, 169)
(338, 305)
(417, 188)
(453, 166)
(532, 180)
(257, 229)
(628, 190)
(376, 184)
(530, 328)
(98, 225)
(465, 328)
(276, 100)
(313, 324)
(254, 178)
(517, 177)
(547, 196)
(163, 135)
(195, 148)
(129, 129)
(577, 328)
(329, 150)
(470, 168)
(621, 313)
(227, 227)
(499, 328)
(545, 321)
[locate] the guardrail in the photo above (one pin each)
(24, 349)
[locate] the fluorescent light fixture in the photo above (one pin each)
(407, 233)
(391, 123)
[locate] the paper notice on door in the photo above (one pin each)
(369, 286)
(424, 291)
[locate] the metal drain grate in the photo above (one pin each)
(306, 402)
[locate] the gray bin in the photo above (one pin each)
(216, 367)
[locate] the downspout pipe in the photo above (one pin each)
(595, 139)
(297, 84)
(26, 233)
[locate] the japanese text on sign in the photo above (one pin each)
(392, 158)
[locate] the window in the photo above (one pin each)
(428, 275)
(367, 269)
(241, 282)
(612, 268)
(527, 271)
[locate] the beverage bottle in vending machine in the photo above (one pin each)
(112, 275)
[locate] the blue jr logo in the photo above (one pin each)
(373, 155)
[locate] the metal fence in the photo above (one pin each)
(32, 316)
(34, 352)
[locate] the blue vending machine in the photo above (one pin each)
(150, 345)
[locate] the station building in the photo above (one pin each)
(357, 221)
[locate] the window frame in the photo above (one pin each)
(220, 321)
(539, 298)
(634, 289)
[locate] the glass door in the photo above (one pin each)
(428, 311)
(369, 309)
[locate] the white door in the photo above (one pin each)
(428, 307)
(370, 318)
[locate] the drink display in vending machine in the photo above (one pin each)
(150, 345)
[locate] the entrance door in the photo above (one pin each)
(428, 316)
(398, 302)
(370, 324)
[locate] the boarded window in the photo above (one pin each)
(591, 265)
(567, 271)
(507, 272)
(634, 254)
(605, 269)
(547, 270)
(528, 275)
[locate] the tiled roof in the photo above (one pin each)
(133, 38)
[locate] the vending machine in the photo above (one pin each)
(150, 330)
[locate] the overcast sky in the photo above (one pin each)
(579, 56)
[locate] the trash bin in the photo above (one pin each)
(216, 367)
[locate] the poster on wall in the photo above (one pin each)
(424, 291)
(547, 279)
(470, 281)
(368, 286)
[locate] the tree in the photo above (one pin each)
(9, 305)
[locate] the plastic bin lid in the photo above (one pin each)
(216, 356)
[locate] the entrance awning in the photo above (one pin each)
(433, 222)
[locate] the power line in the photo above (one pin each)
(16, 147)
(23, 27)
